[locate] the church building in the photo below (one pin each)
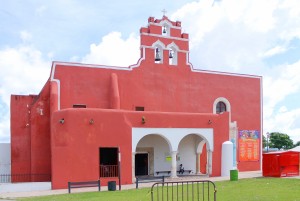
(93, 122)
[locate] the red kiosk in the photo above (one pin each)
(281, 164)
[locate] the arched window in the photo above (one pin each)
(221, 107)
(173, 53)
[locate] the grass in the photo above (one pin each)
(256, 189)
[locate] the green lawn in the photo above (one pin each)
(263, 189)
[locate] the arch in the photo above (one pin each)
(173, 135)
(154, 134)
(166, 27)
(224, 100)
(173, 53)
(189, 151)
(158, 51)
(200, 146)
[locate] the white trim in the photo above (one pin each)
(164, 48)
(162, 36)
(164, 21)
(173, 135)
(224, 100)
(58, 92)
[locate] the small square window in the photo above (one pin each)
(139, 108)
(79, 106)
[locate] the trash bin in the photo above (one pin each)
(111, 185)
(234, 175)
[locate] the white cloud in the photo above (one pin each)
(273, 51)
(236, 36)
(114, 51)
(23, 72)
(25, 36)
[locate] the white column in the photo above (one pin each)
(133, 167)
(209, 163)
(174, 165)
(198, 166)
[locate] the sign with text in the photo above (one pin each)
(249, 141)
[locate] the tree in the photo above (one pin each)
(264, 141)
(280, 141)
(297, 144)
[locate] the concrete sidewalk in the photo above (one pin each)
(13, 195)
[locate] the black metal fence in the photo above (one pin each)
(14, 178)
(204, 190)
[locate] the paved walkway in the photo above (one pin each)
(13, 195)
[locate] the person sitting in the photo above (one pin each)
(181, 169)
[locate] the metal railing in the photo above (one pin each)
(148, 179)
(109, 170)
(204, 190)
(14, 178)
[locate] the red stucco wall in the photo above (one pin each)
(75, 144)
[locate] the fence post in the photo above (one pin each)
(99, 185)
(136, 182)
(69, 187)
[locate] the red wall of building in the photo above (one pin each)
(76, 142)
(20, 127)
(30, 126)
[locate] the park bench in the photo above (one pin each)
(189, 171)
(83, 184)
(163, 171)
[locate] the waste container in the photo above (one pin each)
(111, 185)
(234, 175)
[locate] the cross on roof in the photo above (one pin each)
(164, 11)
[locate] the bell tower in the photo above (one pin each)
(162, 42)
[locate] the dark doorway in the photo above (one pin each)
(108, 158)
(141, 164)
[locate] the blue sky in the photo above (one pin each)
(260, 37)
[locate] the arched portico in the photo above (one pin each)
(173, 137)
(189, 153)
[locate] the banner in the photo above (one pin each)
(249, 141)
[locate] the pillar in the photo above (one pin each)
(198, 166)
(174, 165)
(209, 162)
(133, 167)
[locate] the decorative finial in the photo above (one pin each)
(164, 12)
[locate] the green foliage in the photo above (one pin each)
(297, 144)
(280, 141)
(264, 189)
(264, 141)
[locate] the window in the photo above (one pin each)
(139, 108)
(221, 107)
(158, 55)
(79, 106)
(164, 30)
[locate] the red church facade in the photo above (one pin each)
(90, 120)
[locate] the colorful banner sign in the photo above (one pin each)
(249, 141)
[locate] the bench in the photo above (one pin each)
(163, 171)
(189, 171)
(148, 179)
(83, 184)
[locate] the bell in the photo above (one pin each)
(164, 30)
(157, 57)
(171, 54)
